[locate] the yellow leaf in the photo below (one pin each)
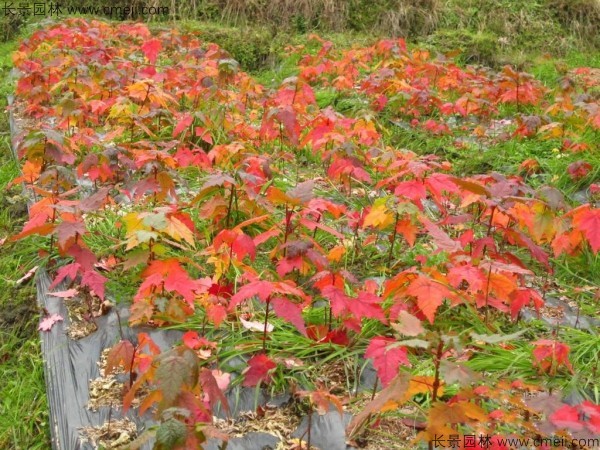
(336, 253)
(378, 216)
(421, 385)
(179, 231)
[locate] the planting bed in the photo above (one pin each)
(263, 265)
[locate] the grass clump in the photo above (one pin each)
(23, 408)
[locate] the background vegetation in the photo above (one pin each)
(256, 32)
(491, 32)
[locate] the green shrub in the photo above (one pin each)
(254, 48)
(579, 17)
(407, 18)
(475, 47)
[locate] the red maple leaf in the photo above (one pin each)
(151, 48)
(429, 294)
(523, 297)
(588, 222)
(48, 322)
(263, 289)
(95, 282)
(184, 122)
(259, 368)
(121, 355)
(469, 273)
(550, 354)
(567, 417)
(413, 190)
(365, 306)
(67, 232)
(172, 276)
(289, 311)
(70, 270)
(385, 359)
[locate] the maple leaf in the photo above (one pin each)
(567, 417)
(258, 370)
(393, 395)
(121, 355)
(95, 201)
(406, 228)
(365, 306)
(378, 216)
(192, 340)
(523, 297)
(213, 383)
(441, 414)
(70, 270)
(322, 399)
(287, 116)
(172, 276)
(550, 354)
(67, 232)
(471, 186)
(429, 294)
(588, 221)
(408, 325)
(455, 372)
(143, 226)
(141, 311)
(422, 384)
(177, 370)
(185, 121)
(543, 228)
(171, 433)
(303, 192)
(413, 190)
(299, 195)
(95, 282)
(441, 238)
(386, 360)
(289, 311)
(151, 48)
(289, 264)
(48, 322)
(216, 313)
(263, 289)
(469, 273)
(321, 333)
(592, 411)
(83, 257)
(243, 245)
(579, 169)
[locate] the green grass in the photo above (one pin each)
(23, 409)
(23, 406)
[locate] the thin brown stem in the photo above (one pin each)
(266, 324)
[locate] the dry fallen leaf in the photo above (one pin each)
(256, 326)
(48, 322)
(27, 276)
(65, 294)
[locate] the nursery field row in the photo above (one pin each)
(284, 233)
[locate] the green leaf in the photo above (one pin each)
(170, 434)
(157, 221)
(178, 369)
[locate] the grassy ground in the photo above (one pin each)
(23, 408)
